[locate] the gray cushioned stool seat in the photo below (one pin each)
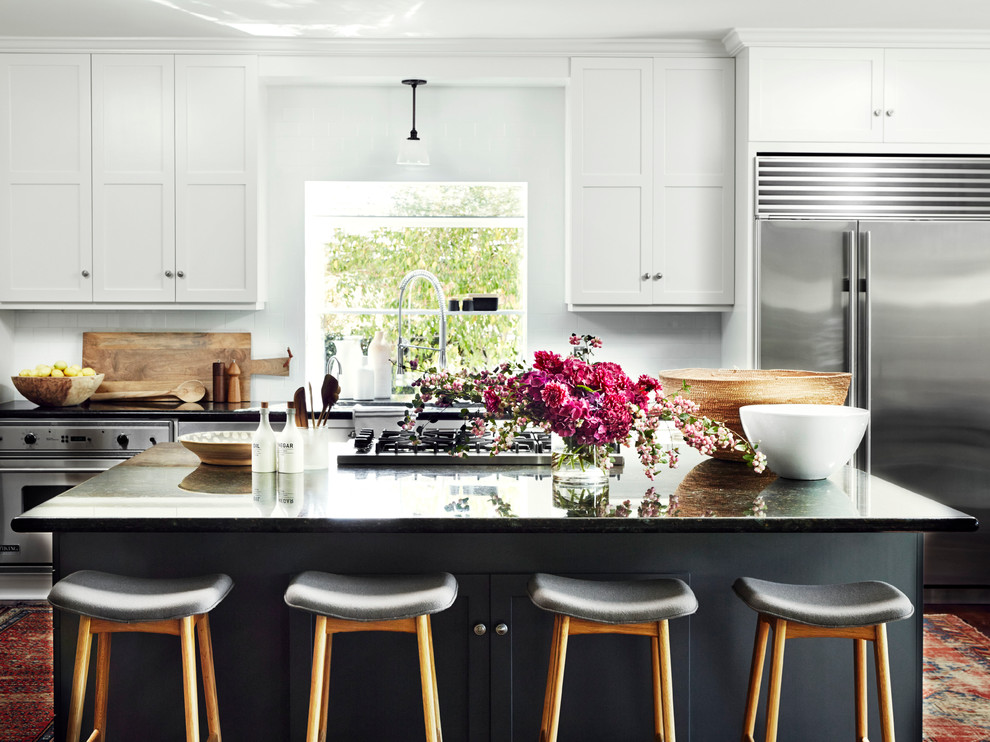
(372, 597)
(616, 602)
(833, 606)
(136, 599)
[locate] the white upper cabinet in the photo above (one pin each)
(136, 187)
(45, 183)
(816, 95)
(650, 185)
(611, 180)
(133, 178)
(216, 250)
(898, 96)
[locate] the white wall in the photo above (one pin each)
(352, 133)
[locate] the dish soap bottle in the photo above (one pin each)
(378, 354)
(290, 444)
(263, 444)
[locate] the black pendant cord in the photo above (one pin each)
(413, 134)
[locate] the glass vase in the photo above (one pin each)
(577, 465)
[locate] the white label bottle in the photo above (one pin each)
(263, 456)
(290, 444)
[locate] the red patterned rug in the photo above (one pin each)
(956, 681)
(26, 686)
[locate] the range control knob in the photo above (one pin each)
(123, 440)
(30, 439)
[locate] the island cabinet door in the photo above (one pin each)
(375, 691)
(608, 678)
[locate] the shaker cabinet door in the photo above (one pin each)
(216, 110)
(45, 186)
(133, 178)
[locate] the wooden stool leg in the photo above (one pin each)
(325, 700)
(548, 694)
(657, 702)
(426, 677)
(209, 677)
(755, 677)
(859, 656)
(883, 683)
(776, 674)
(102, 684)
(84, 644)
(188, 644)
(316, 679)
(558, 677)
(433, 670)
(666, 681)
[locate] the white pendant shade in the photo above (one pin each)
(413, 152)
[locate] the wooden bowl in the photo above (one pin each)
(64, 391)
(720, 392)
(220, 448)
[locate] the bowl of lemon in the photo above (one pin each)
(58, 384)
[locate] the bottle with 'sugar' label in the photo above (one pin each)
(290, 445)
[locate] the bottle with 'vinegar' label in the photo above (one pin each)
(290, 445)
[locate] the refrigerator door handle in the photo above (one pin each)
(865, 392)
(852, 330)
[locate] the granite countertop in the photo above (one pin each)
(165, 489)
(22, 409)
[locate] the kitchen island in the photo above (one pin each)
(159, 514)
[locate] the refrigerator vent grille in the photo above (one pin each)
(942, 187)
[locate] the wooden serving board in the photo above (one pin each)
(144, 361)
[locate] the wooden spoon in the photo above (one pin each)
(299, 399)
(187, 391)
(330, 392)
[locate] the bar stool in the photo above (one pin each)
(639, 607)
(346, 603)
(856, 610)
(109, 603)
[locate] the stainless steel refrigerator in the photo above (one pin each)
(881, 266)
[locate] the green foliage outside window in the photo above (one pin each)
(363, 270)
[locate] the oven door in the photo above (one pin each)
(25, 483)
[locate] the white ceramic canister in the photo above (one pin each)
(378, 356)
(349, 355)
(317, 448)
(365, 381)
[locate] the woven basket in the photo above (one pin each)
(720, 392)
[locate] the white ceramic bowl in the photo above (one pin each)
(805, 441)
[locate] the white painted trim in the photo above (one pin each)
(127, 306)
(739, 38)
(376, 47)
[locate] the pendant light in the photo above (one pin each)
(413, 151)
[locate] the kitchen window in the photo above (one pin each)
(363, 237)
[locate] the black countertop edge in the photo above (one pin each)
(245, 411)
(495, 525)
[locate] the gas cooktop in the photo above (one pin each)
(434, 448)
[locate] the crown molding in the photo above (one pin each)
(375, 47)
(740, 38)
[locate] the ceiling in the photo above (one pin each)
(466, 19)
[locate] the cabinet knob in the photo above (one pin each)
(168, 274)
(85, 274)
(646, 276)
(180, 274)
(877, 111)
(480, 629)
(890, 111)
(501, 629)
(657, 276)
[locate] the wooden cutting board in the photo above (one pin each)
(144, 361)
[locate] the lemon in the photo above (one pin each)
(70, 371)
(42, 370)
(60, 365)
(57, 373)
(76, 366)
(26, 372)
(87, 372)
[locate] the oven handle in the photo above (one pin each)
(25, 467)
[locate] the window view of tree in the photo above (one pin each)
(471, 236)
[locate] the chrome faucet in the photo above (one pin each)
(441, 301)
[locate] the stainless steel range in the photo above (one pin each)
(42, 458)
